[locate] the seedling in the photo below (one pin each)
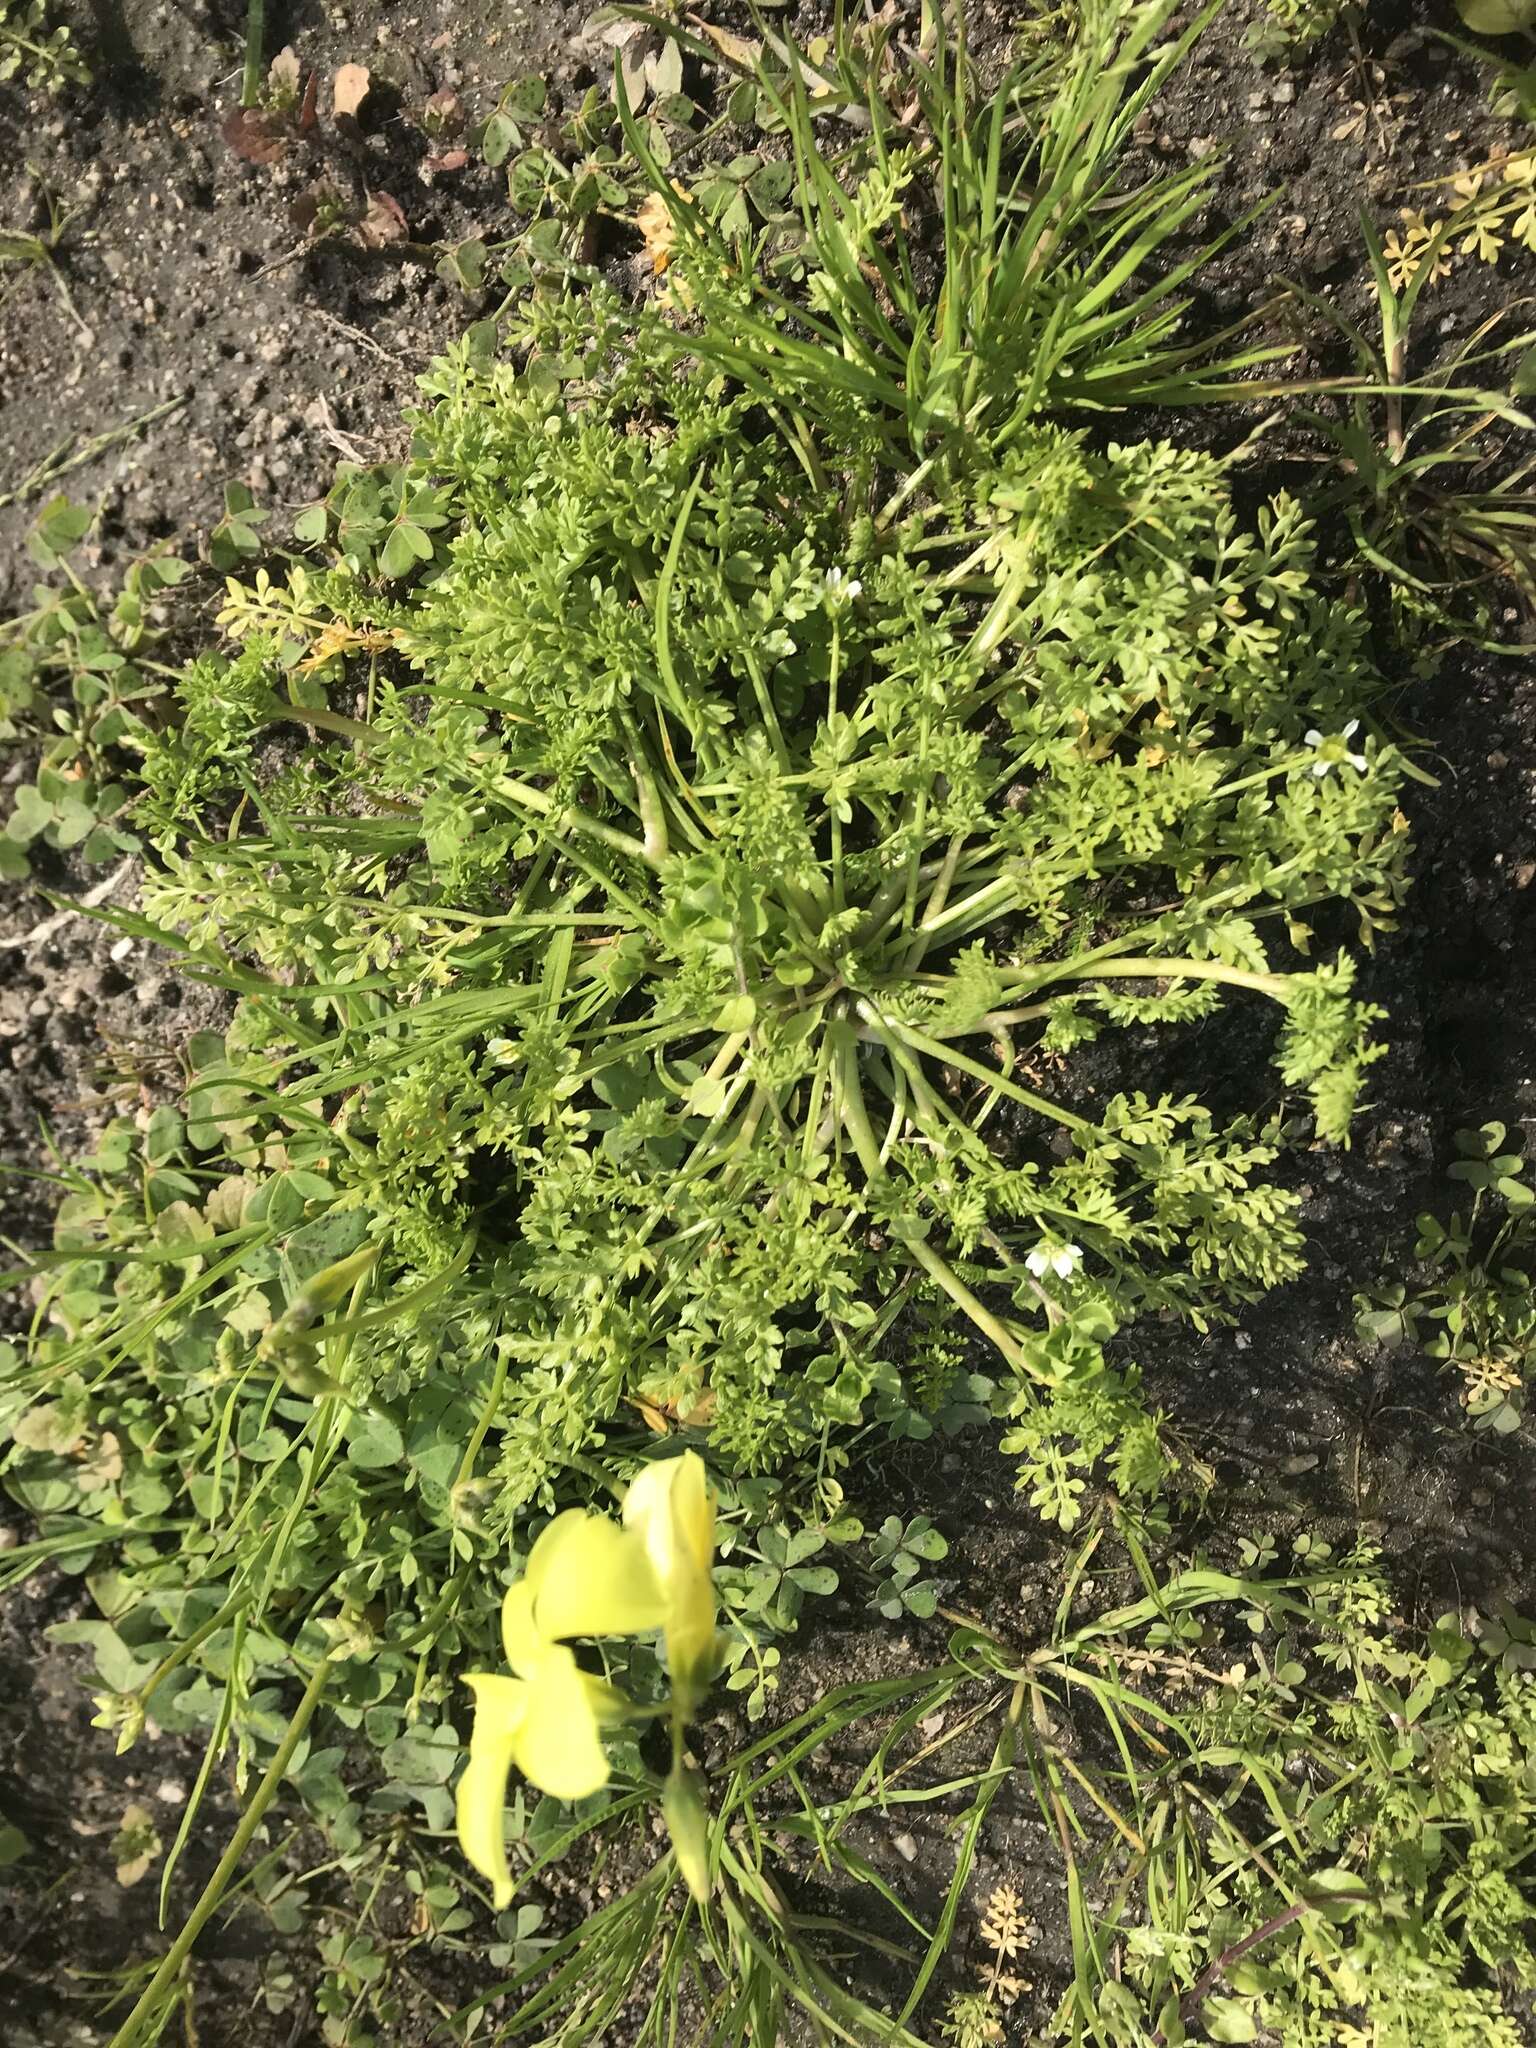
(1431, 500)
(39, 249)
(1475, 1308)
(42, 56)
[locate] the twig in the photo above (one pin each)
(344, 444)
(1214, 1972)
(58, 464)
(88, 901)
(388, 355)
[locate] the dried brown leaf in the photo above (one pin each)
(349, 88)
(382, 222)
(254, 134)
(733, 48)
(283, 74)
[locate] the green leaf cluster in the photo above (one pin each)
(1471, 1300)
(77, 675)
(683, 909)
(31, 50)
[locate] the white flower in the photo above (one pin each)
(1332, 753)
(1061, 1259)
(839, 588)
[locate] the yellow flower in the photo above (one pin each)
(589, 1576)
(672, 1511)
(546, 1721)
(586, 1577)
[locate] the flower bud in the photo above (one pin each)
(687, 1818)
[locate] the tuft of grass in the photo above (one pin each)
(38, 249)
(1433, 502)
(1013, 200)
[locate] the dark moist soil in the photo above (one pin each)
(189, 283)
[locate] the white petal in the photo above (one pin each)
(1359, 761)
(1352, 728)
(1321, 767)
(1314, 738)
(1037, 1262)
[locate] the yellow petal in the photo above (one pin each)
(556, 1746)
(500, 1708)
(693, 1512)
(671, 1508)
(589, 1577)
(519, 1638)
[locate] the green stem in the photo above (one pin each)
(938, 1269)
(487, 1417)
(131, 2033)
(993, 630)
(771, 723)
(653, 815)
(571, 815)
(837, 823)
(944, 1275)
(888, 1027)
(1004, 1756)
(179, 1655)
(1151, 968)
(255, 35)
(319, 720)
(934, 908)
(991, 900)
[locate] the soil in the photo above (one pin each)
(188, 282)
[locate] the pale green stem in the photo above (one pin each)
(917, 812)
(652, 813)
(770, 717)
(866, 1145)
(937, 1049)
(486, 1417)
(1151, 968)
(837, 823)
(572, 815)
(933, 909)
(255, 32)
(943, 1275)
(988, 901)
(893, 505)
(993, 630)
(182, 1651)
